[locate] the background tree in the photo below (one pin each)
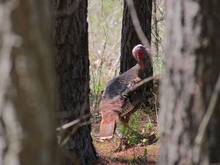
(72, 67)
(190, 91)
(26, 84)
(129, 37)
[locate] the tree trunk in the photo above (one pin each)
(26, 85)
(191, 72)
(129, 38)
(70, 30)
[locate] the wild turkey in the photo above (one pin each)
(114, 106)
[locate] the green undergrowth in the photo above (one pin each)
(105, 21)
(138, 130)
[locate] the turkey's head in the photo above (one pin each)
(139, 53)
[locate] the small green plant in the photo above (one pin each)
(97, 88)
(145, 151)
(148, 127)
(137, 133)
(131, 132)
(145, 141)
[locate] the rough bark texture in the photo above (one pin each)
(129, 39)
(72, 67)
(27, 85)
(192, 69)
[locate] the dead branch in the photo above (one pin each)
(65, 139)
(129, 107)
(209, 113)
(133, 88)
(137, 25)
(72, 123)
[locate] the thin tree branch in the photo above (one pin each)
(75, 128)
(72, 123)
(137, 25)
(133, 88)
(209, 113)
(129, 107)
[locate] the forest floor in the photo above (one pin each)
(145, 148)
(138, 154)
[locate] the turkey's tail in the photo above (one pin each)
(110, 109)
(108, 124)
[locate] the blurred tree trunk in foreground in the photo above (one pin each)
(129, 39)
(70, 30)
(27, 102)
(189, 84)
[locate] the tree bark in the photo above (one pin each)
(129, 38)
(70, 30)
(27, 85)
(191, 72)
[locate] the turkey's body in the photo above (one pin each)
(116, 86)
(113, 105)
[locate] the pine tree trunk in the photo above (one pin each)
(26, 85)
(191, 72)
(72, 67)
(129, 38)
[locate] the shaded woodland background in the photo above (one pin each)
(57, 56)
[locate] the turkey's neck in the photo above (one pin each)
(141, 64)
(141, 70)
